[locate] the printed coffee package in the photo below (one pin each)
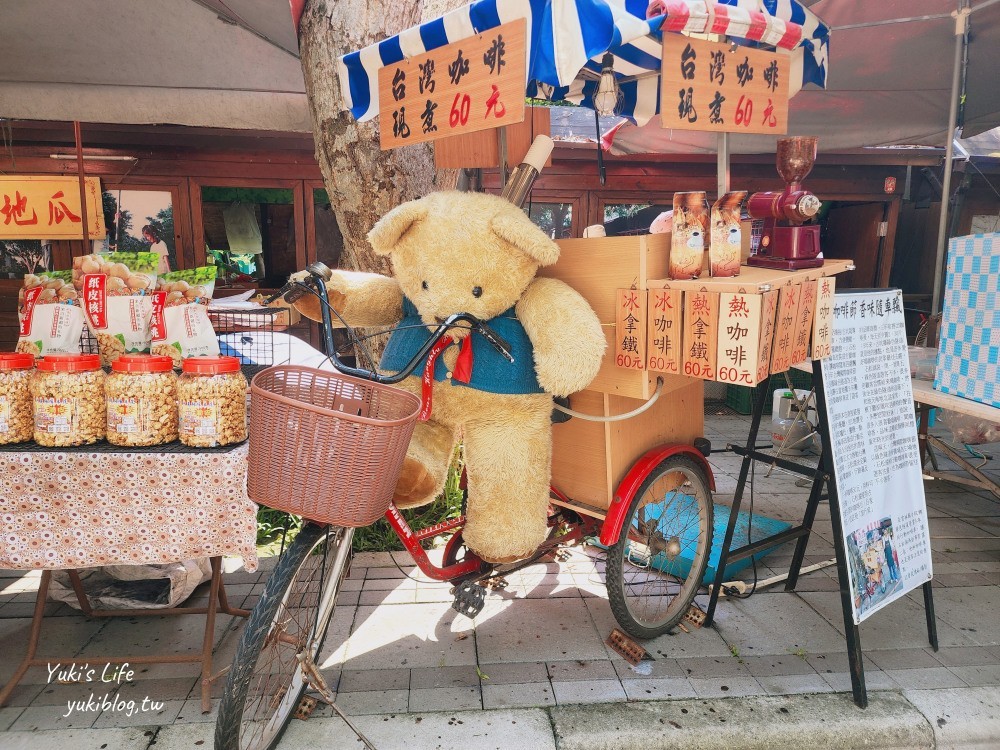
(49, 313)
(180, 326)
(727, 236)
(687, 244)
(116, 291)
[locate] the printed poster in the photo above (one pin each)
(876, 458)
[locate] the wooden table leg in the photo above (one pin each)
(36, 628)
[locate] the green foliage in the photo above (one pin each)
(379, 537)
(272, 526)
(193, 276)
(139, 261)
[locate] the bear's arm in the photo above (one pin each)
(565, 333)
(364, 299)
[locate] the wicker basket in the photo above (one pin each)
(327, 446)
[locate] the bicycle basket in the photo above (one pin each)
(326, 446)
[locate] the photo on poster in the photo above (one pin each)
(18, 257)
(139, 221)
(874, 565)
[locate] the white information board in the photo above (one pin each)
(876, 457)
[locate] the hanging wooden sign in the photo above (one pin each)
(663, 322)
(473, 84)
(739, 338)
(803, 324)
(710, 86)
(784, 331)
(822, 335)
(701, 328)
(768, 314)
(48, 208)
(630, 329)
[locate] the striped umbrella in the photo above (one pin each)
(567, 41)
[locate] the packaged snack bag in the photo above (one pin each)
(49, 313)
(724, 251)
(687, 244)
(116, 290)
(181, 327)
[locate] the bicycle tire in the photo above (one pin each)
(317, 552)
(655, 567)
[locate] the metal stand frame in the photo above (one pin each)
(976, 478)
(217, 603)
(822, 474)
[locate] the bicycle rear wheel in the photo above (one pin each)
(656, 566)
(265, 682)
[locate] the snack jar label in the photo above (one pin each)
(125, 415)
(54, 415)
(4, 414)
(199, 418)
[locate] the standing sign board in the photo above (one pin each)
(474, 84)
(873, 445)
(708, 86)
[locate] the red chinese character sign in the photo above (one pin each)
(708, 86)
(474, 84)
(630, 329)
(36, 208)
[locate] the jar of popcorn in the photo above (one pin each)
(212, 402)
(141, 396)
(67, 391)
(16, 425)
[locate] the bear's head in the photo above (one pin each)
(462, 252)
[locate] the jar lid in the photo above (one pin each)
(142, 363)
(16, 361)
(210, 365)
(69, 363)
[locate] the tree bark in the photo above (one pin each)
(363, 181)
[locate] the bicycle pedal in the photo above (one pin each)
(305, 708)
(694, 616)
(562, 555)
(470, 598)
(498, 583)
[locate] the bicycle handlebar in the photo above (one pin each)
(319, 274)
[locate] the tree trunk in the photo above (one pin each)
(363, 181)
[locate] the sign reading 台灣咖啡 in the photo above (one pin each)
(473, 84)
(40, 208)
(707, 86)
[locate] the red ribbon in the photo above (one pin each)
(463, 371)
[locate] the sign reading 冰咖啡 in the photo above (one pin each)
(473, 84)
(48, 208)
(707, 86)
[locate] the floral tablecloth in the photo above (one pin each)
(62, 510)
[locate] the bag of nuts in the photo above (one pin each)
(49, 313)
(181, 327)
(116, 290)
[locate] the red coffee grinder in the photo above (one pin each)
(787, 242)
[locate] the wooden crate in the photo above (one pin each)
(597, 267)
(589, 459)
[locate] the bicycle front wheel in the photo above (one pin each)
(265, 682)
(656, 566)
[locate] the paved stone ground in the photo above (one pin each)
(540, 643)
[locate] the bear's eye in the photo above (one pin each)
(423, 285)
(477, 291)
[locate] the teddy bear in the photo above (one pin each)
(457, 252)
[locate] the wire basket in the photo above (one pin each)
(327, 446)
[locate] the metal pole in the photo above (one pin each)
(83, 186)
(722, 165)
(961, 26)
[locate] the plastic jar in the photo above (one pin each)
(212, 402)
(68, 395)
(16, 424)
(141, 395)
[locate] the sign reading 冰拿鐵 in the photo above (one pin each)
(473, 84)
(48, 208)
(707, 86)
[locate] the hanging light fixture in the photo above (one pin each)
(607, 98)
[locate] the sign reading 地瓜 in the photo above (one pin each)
(707, 86)
(48, 208)
(473, 84)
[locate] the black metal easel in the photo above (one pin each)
(822, 474)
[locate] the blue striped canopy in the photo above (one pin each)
(567, 40)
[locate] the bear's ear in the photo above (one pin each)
(516, 228)
(388, 230)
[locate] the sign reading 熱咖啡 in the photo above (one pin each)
(473, 84)
(48, 208)
(707, 86)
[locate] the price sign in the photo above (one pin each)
(701, 334)
(473, 84)
(663, 340)
(739, 332)
(705, 86)
(630, 329)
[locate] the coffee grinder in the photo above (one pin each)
(788, 243)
